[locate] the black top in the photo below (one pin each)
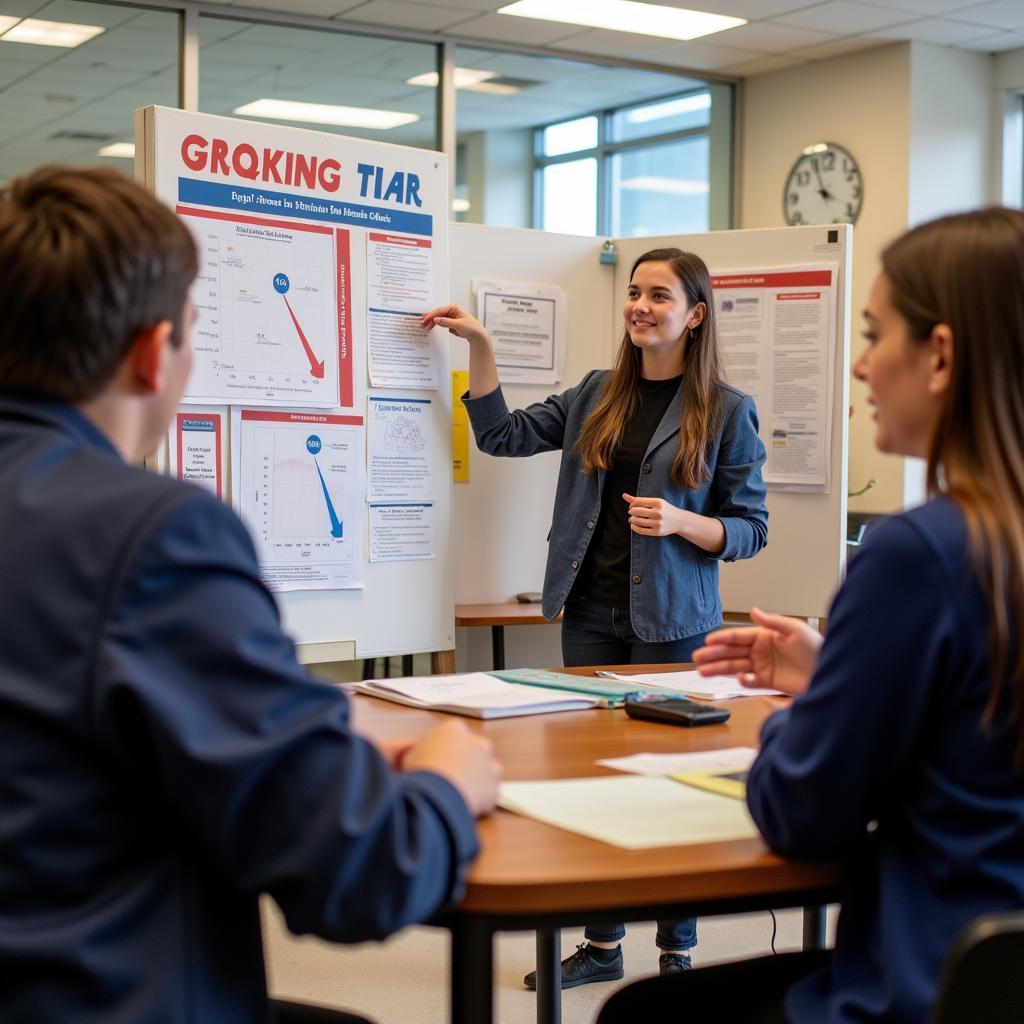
(604, 575)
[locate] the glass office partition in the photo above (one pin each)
(71, 75)
(365, 86)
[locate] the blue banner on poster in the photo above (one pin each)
(286, 204)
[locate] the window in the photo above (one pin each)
(644, 169)
(537, 137)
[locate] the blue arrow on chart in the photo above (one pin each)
(313, 446)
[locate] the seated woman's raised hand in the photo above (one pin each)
(777, 652)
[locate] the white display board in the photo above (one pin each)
(502, 516)
(317, 251)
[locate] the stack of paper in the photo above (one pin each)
(693, 684)
(475, 694)
(633, 812)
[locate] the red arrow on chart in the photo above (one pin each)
(315, 368)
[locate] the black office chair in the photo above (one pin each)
(981, 982)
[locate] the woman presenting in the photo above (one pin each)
(660, 479)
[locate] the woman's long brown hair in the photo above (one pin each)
(967, 272)
(701, 416)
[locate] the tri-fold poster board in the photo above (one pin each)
(317, 406)
(323, 413)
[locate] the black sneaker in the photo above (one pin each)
(582, 968)
(674, 963)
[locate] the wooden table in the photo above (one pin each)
(498, 616)
(532, 876)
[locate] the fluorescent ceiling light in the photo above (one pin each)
(671, 186)
(324, 113)
(125, 150)
(670, 108)
(460, 206)
(463, 77)
(6, 21)
(50, 33)
(625, 16)
(473, 79)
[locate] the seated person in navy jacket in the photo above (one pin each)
(164, 759)
(903, 752)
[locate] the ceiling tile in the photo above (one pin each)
(764, 65)
(843, 17)
(425, 17)
(701, 56)
(934, 7)
(83, 13)
(1002, 14)
(742, 8)
(614, 44)
(770, 37)
(313, 8)
(502, 28)
(20, 8)
(997, 43)
(472, 6)
(934, 30)
(838, 47)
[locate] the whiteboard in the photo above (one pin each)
(502, 516)
(404, 607)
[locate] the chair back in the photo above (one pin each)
(983, 980)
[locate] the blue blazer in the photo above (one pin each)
(884, 762)
(164, 759)
(674, 590)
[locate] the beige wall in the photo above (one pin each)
(861, 101)
(922, 122)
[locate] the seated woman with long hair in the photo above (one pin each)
(903, 752)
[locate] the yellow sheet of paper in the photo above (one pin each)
(731, 784)
(635, 812)
(460, 428)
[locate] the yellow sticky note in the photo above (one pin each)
(460, 428)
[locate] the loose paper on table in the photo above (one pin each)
(400, 452)
(693, 684)
(297, 481)
(728, 759)
(634, 812)
(527, 323)
(401, 532)
(399, 272)
(777, 333)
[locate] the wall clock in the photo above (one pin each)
(824, 187)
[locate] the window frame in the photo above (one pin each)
(604, 151)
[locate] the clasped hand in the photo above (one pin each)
(654, 517)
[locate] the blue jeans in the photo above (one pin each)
(593, 634)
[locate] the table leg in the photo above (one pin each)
(472, 972)
(814, 928)
(498, 646)
(549, 976)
